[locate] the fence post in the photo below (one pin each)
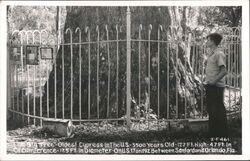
(128, 73)
(22, 71)
(9, 79)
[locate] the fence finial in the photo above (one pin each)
(86, 29)
(70, 32)
(40, 37)
(78, 30)
(27, 36)
(80, 33)
(140, 27)
(150, 29)
(97, 28)
(106, 28)
(21, 33)
(43, 31)
(116, 28)
(159, 31)
(15, 31)
(128, 9)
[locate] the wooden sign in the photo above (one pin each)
(32, 55)
(46, 53)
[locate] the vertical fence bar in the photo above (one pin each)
(177, 80)
(202, 86)
(225, 52)
(149, 74)
(235, 67)
(237, 61)
(63, 79)
(80, 72)
(97, 72)
(197, 59)
(139, 68)
(194, 70)
(117, 70)
(199, 64)
(168, 53)
(229, 71)
(200, 58)
(71, 76)
(89, 72)
(40, 89)
(17, 83)
(128, 66)
(22, 66)
(185, 77)
(17, 102)
(28, 76)
(13, 87)
(238, 74)
(71, 73)
(9, 77)
(193, 59)
(228, 55)
(228, 61)
(158, 73)
(107, 32)
(14, 75)
(34, 92)
(40, 71)
(55, 86)
(240, 66)
(28, 97)
(57, 49)
(16, 87)
(47, 75)
(232, 66)
(199, 70)
(34, 89)
(188, 48)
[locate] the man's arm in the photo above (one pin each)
(221, 74)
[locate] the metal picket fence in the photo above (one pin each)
(29, 73)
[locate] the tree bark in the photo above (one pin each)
(81, 17)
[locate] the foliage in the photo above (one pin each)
(221, 16)
(33, 18)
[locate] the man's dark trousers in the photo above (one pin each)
(216, 110)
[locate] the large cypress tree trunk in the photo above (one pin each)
(188, 86)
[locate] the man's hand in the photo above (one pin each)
(211, 82)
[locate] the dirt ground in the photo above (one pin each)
(31, 139)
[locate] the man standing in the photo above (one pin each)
(215, 72)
